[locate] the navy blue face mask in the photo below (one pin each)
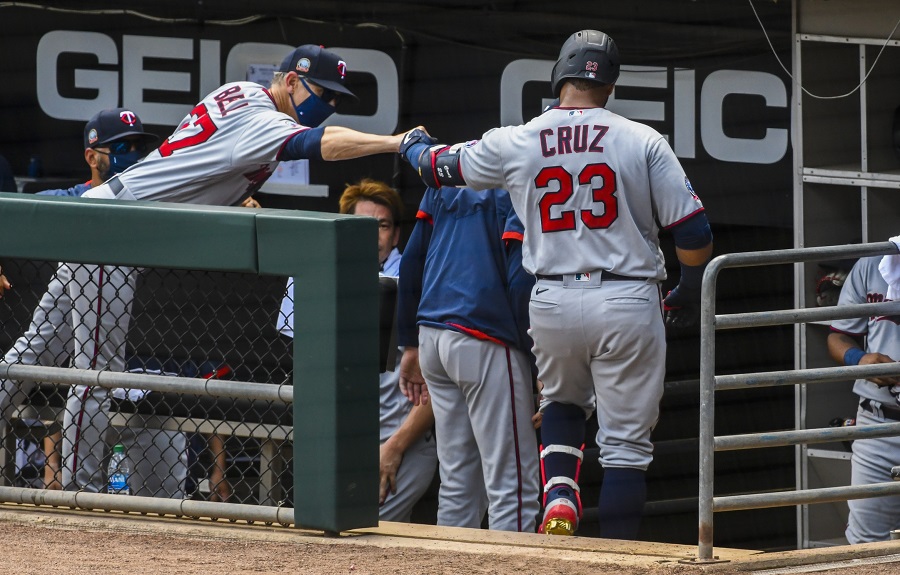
(314, 110)
(122, 155)
(118, 163)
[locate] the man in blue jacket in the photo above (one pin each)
(463, 319)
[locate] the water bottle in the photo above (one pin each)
(118, 472)
(35, 167)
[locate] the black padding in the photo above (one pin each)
(387, 321)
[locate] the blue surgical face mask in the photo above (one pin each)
(313, 110)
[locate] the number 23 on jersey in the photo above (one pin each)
(605, 195)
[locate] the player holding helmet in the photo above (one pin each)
(592, 189)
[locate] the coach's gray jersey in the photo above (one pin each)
(882, 333)
(221, 152)
(590, 187)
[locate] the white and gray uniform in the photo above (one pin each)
(590, 187)
(871, 519)
(158, 457)
(221, 153)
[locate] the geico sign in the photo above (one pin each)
(128, 70)
(137, 81)
(683, 86)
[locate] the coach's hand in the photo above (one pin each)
(412, 384)
(682, 307)
(389, 461)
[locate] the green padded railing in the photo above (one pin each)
(334, 262)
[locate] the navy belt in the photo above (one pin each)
(604, 276)
(115, 185)
(888, 412)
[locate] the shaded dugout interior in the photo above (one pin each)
(449, 61)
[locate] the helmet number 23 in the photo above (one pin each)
(604, 194)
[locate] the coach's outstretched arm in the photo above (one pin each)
(340, 143)
(334, 143)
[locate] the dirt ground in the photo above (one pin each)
(49, 546)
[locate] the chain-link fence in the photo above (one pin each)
(190, 324)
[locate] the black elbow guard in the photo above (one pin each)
(439, 166)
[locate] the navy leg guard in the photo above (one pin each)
(562, 424)
(562, 450)
(622, 497)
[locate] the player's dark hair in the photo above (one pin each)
(584, 85)
(373, 191)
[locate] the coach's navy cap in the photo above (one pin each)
(111, 125)
(322, 66)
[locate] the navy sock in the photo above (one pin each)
(622, 496)
(562, 424)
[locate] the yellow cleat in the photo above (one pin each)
(557, 526)
(560, 518)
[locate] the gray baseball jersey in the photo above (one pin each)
(589, 186)
(221, 152)
(866, 285)
(592, 189)
(871, 519)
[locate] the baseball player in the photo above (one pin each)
(592, 189)
(113, 141)
(408, 456)
(221, 152)
(866, 341)
(463, 318)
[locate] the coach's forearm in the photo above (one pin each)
(345, 144)
(419, 420)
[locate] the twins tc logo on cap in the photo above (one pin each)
(128, 117)
(342, 69)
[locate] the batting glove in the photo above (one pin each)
(682, 307)
(414, 144)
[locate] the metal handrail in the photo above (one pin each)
(152, 382)
(710, 383)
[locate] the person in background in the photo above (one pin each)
(114, 140)
(463, 321)
(408, 457)
(867, 341)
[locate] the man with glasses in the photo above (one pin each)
(114, 140)
(408, 455)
